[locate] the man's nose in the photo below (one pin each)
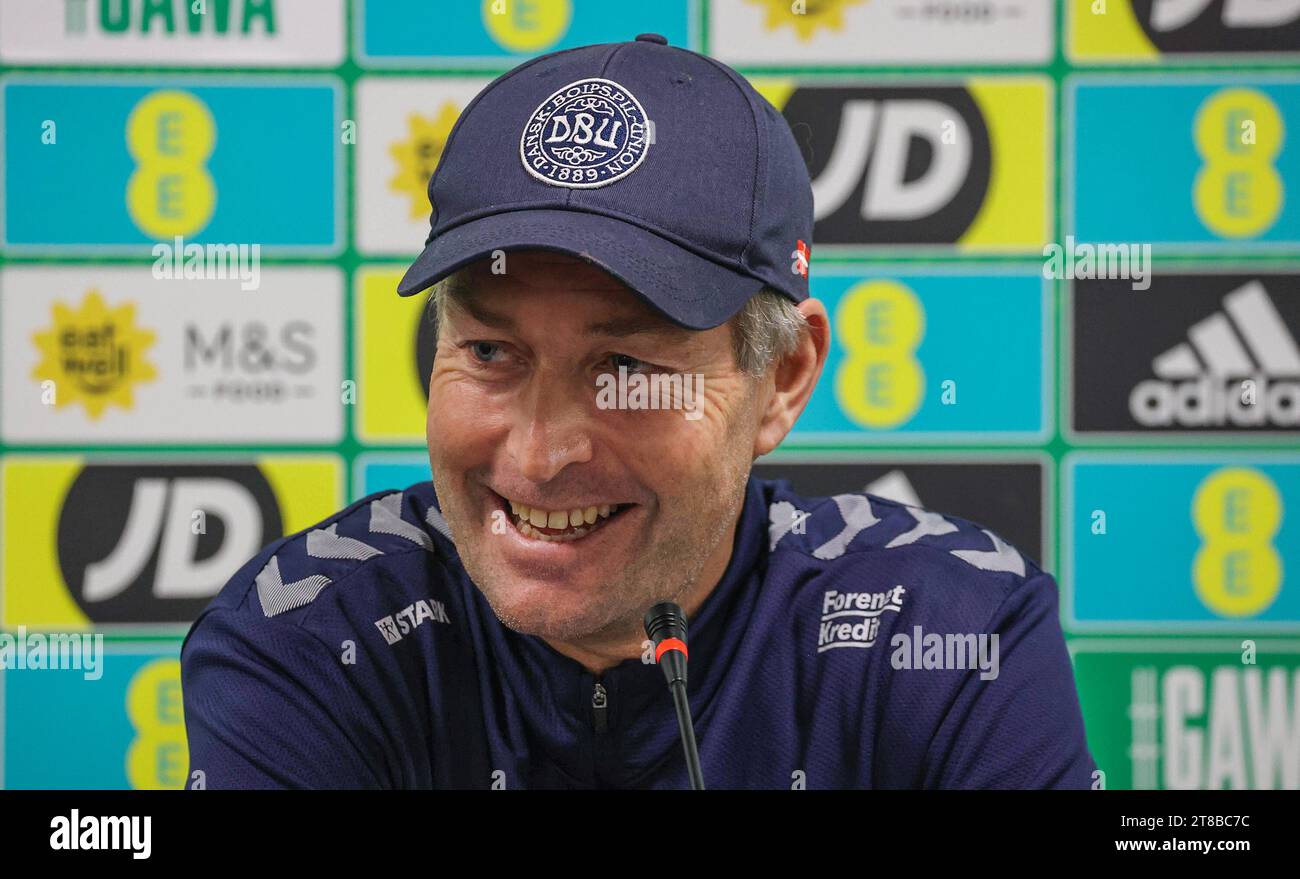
(551, 429)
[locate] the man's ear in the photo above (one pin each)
(791, 380)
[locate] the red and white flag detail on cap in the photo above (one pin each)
(801, 255)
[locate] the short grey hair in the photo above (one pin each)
(767, 329)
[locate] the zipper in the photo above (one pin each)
(599, 706)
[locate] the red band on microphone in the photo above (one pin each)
(671, 644)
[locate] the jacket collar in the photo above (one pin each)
(551, 696)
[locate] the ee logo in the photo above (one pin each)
(526, 26)
(880, 383)
(1238, 134)
(1237, 571)
(171, 135)
(158, 756)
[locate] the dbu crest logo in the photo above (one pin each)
(587, 134)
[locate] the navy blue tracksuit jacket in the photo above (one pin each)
(359, 654)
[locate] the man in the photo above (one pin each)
(607, 218)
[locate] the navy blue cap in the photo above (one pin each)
(660, 165)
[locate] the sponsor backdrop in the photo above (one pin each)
(1060, 243)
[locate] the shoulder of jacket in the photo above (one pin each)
(856, 528)
(290, 573)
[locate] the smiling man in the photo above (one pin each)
(634, 212)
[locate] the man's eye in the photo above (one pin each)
(484, 352)
(631, 364)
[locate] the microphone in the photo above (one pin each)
(665, 626)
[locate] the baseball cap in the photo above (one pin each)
(660, 165)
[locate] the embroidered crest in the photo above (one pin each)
(587, 134)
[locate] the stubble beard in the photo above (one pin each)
(668, 571)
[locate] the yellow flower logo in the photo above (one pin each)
(418, 155)
(94, 355)
(806, 17)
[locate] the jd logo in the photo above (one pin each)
(1220, 25)
(893, 165)
(154, 543)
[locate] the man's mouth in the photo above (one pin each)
(538, 523)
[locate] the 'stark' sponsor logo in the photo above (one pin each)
(250, 362)
(1239, 368)
(397, 626)
(904, 165)
(852, 619)
(587, 134)
(1199, 26)
(94, 355)
(154, 543)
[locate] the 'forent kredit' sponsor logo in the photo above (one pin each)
(852, 619)
(916, 165)
(1194, 353)
(143, 542)
(1148, 30)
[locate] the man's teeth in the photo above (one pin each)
(560, 518)
(562, 525)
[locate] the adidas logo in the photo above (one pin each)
(1239, 368)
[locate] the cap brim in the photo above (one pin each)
(688, 289)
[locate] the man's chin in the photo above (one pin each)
(537, 610)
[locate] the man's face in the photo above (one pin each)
(514, 420)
